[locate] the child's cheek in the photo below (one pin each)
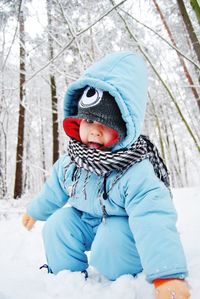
(83, 133)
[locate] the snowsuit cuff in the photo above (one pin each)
(160, 281)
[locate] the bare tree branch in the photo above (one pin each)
(14, 36)
(197, 143)
(182, 62)
(160, 36)
(71, 30)
(72, 40)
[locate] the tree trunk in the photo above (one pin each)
(172, 150)
(158, 125)
(42, 143)
(185, 122)
(189, 27)
(186, 72)
(18, 188)
(54, 99)
(26, 163)
(3, 134)
(196, 8)
(43, 151)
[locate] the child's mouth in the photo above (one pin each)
(95, 145)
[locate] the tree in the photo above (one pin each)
(189, 27)
(5, 16)
(185, 69)
(18, 188)
(54, 99)
(196, 7)
(74, 34)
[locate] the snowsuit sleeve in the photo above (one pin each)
(52, 195)
(152, 219)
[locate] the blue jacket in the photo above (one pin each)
(139, 194)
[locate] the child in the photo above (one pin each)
(115, 184)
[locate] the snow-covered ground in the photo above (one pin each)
(21, 255)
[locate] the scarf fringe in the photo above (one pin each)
(104, 162)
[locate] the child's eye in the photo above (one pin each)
(89, 121)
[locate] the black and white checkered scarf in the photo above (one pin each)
(103, 162)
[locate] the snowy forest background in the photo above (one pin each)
(45, 45)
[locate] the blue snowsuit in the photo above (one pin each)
(140, 230)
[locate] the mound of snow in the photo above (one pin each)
(21, 255)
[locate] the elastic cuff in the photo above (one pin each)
(160, 281)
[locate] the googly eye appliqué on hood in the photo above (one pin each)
(91, 97)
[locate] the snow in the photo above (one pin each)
(21, 255)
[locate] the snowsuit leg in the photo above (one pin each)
(113, 251)
(66, 238)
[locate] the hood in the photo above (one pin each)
(124, 76)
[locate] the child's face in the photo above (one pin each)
(96, 135)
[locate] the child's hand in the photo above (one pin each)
(173, 289)
(28, 221)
